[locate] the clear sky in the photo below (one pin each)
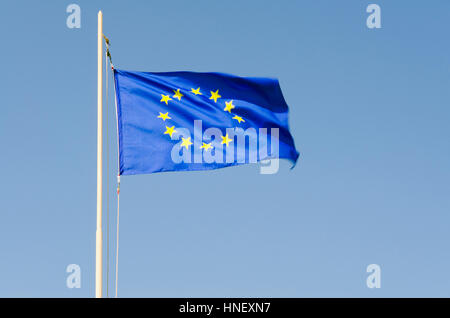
(369, 111)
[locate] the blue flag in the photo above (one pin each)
(178, 121)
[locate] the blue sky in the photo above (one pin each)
(368, 112)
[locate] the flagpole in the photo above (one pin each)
(99, 234)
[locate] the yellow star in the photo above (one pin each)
(165, 98)
(226, 140)
(196, 91)
(206, 146)
(239, 118)
(215, 95)
(170, 130)
(177, 94)
(229, 106)
(164, 116)
(186, 142)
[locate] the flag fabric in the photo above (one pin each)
(180, 121)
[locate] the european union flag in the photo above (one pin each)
(198, 121)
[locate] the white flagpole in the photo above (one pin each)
(99, 234)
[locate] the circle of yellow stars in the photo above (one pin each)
(186, 142)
